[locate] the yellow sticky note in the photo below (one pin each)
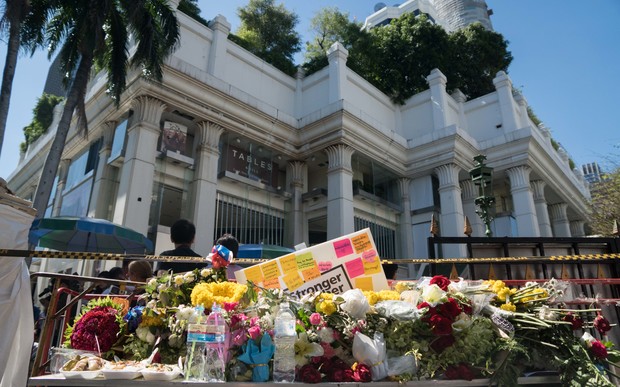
(372, 266)
(254, 274)
(361, 243)
(364, 283)
(293, 281)
(270, 270)
(273, 283)
(305, 261)
(288, 263)
(310, 274)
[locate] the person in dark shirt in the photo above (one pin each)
(182, 234)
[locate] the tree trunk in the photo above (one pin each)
(50, 168)
(15, 16)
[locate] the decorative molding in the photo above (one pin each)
(469, 190)
(403, 187)
(148, 109)
(558, 212)
(210, 134)
(339, 157)
(448, 175)
(538, 188)
(519, 177)
(297, 170)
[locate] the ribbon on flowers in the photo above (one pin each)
(220, 256)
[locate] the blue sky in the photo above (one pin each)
(566, 60)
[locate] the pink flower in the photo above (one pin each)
(255, 332)
(239, 337)
(315, 319)
(237, 318)
(230, 306)
(328, 351)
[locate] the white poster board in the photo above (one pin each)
(335, 266)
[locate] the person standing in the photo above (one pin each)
(182, 234)
(232, 244)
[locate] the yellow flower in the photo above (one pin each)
(385, 295)
(152, 321)
(372, 297)
(401, 287)
(327, 307)
(219, 292)
(503, 294)
(509, 307)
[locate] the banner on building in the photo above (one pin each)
(174, 137)
(335, 266)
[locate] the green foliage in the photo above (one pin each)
(398, 57)
(191, 9)
(605, 204)
(533, 116)
(268, 31)
(42, 117)
(555, 145)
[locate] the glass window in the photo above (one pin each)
(75, 202)
(118, 143)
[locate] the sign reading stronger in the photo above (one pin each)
(334, 266)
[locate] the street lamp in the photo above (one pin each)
(481, 175)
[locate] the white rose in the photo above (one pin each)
(189, 277)
(162, 288)
(432, 294)
(355, 303)
(152, 282)
(410, 296)
(151, 304)
(205, 272)
(142, 332)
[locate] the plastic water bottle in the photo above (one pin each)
(285, 337)
(194, 367)
(215, 365)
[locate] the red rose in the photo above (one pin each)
(462, 371)
(440, 325)
(450, 309)
(362, 374)
(467, 308)
(440, 281)
(309, 374)
(598, 349)
(339, 375)
(575, 320)
(441, 343)
(601, 324)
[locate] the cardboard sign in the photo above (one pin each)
(334, 266)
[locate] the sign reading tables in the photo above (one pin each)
(332, 267)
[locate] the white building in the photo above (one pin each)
(235, 145)
(452, 15)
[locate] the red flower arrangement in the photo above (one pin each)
(461, 371)
(334, 370)
(598, 349)
(575, 320)
(441, 281)
(98, 325)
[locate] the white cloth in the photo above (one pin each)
(16, 317)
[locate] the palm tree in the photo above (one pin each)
(98, 32)
(14, 13)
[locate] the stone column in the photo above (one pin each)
(461, 98)
(577, 228)
(298, 229)
(63, 170)
(216, 63)
(452, 219)
(507, 105)
(559, 219)
(339, 191)
(542, 212)
(204, 185)
(437, 83)
(133, 201)
(523, 201)
(337, 57)
(100, 197)
(405, 226)
(469, 192)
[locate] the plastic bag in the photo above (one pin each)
(371, 352)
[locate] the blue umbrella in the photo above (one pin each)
(262, 251)
(87, 234)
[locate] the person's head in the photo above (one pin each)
(390, 270)
(117, 273)
(182, 232)
(230, 242)
(140, 270)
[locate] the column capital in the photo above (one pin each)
(519, 177)
(577, 228)
(210, 134)
(403, 186)
(502, 80)
(448, 175)
(339, 157)
(337, 52)
(148, 109)
(297, 170)
(436, 77)
(558, 212)
(538, 187)
(469, 191)
(107, 129)
(221, 24)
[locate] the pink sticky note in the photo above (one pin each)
(325, 265)
(355, 267)
(369, 255)
(343, 247)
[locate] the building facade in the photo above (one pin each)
(235, 145)
(452, 15)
